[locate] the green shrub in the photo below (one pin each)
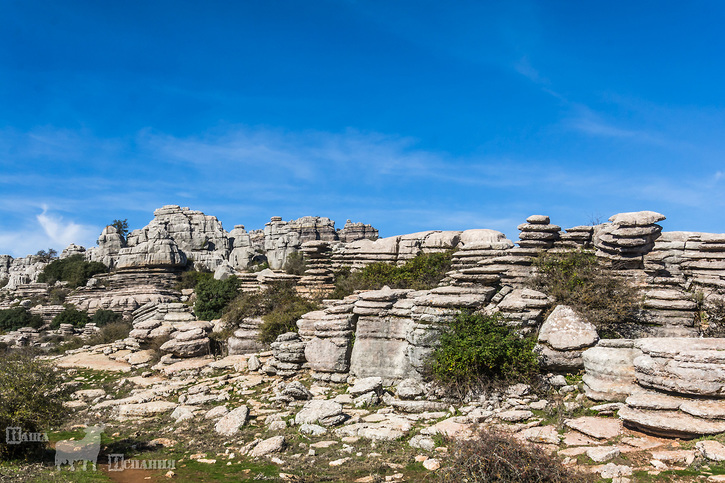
(423, 272)
(103, 317)
(279, 306)
(295, 264)
(578, 279)
(212, 296)
(71, 315)
(17, 317)
(481, 347)
(711, 315)
(31, 397)
(495, 457)
(191, 278)
(75, 270)
(111, 332)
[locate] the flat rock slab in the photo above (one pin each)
(98, 362)
(670, 424)
(600, 428)
(127, 411)
(540, 434)
(452, 427)
(366, 385)
(190, 364)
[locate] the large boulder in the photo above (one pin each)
(563, 338)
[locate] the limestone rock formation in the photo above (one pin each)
(628, 237)
(157, 250)
(609, 370)
(562, 339)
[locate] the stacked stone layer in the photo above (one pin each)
(628, 238)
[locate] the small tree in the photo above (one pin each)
(31, 398)
(122, 227)
(47, 256)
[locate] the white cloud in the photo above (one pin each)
(49, 231)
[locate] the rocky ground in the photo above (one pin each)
(224, 420)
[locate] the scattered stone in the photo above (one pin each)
(431, 464)
(229, 425)
(274, 444)
(712, 450)
(327, 413)
(603, 453)
(600, 428)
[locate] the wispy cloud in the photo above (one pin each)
(48, 231)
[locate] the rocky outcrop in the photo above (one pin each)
(609, 370)
(628, 237)
(328, 335)
(245, 339)
(538, 232)
(356, 231)
(157, 250)
(288, 352)
(563, 337)
(395, 250)
(188, 339)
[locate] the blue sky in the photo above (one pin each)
(406, 115)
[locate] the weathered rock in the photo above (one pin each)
(562, 339)
(365, 385)
(327, 413)
(600, 428)
(229, 424)
(274, 444)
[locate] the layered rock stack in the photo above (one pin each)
(89, 330)
(628, 238)
(110, 242)
(155, 320)
(664, 260)
(283, 238)
(189, 339)
(538, 232)
(356, 231)
(158, 250)
(197, 235)
(685, 382)
(361, 253)
(395, 250)
(318, 276)
(519, 307)
(609, 370)
(383, 323)
(288, 352)
(672, 310)
(246, 338)
(23, 337)
(575, 238)
(703, 260)
(65, 330)
(47, 312)
(479, 244)
(71, 250)
(242, 250)
(328, 336)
